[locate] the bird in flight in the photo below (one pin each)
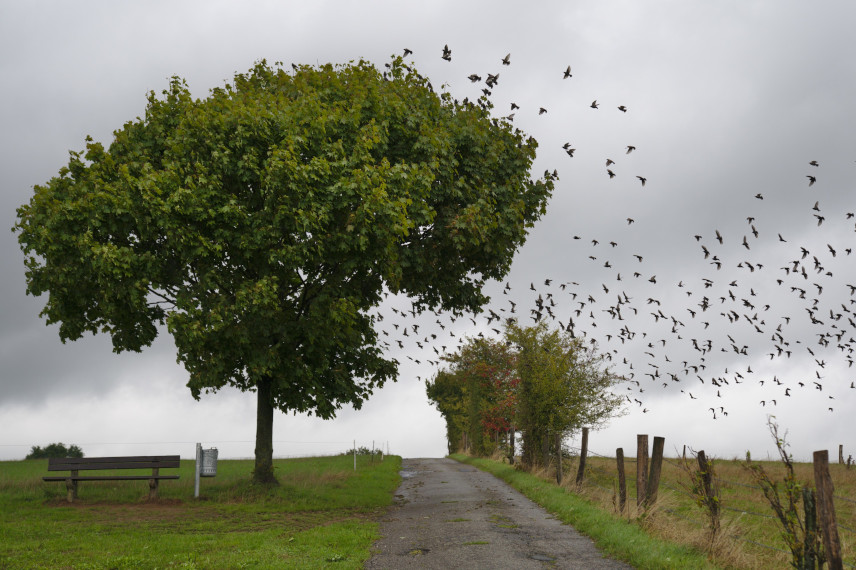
(811, 180)
(594, 104)
(447, 53)
(567, 73)
(506, 60)
(643, 180)
(622, 108)
(630, 149)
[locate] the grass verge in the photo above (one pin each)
(615, 536)
(322, 513)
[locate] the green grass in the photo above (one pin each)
(615, 536)
(322, 513)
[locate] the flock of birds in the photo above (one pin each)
(757, 308)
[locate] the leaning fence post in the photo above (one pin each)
(641, 468)
(656, 467)
(583, 454)
(707, 481)
(829, 528)
(622, 483)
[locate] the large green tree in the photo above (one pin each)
(262, 223)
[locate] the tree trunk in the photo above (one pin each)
(263, 472)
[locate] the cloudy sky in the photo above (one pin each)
(726, 105)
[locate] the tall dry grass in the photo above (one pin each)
(750, 536)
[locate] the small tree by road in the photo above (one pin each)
(564, 386)
(539, 381)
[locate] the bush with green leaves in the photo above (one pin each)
(54, 450)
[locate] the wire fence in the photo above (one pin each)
(603, 473)
(229, 448)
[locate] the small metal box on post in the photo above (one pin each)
(206, 465)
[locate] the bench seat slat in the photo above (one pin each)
(60, 460)
(111, 478)
(81, 466)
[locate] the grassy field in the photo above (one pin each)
(751, 537)
(322, 514)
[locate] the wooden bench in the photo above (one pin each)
(75, 465)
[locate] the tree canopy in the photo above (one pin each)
(261, 225)
(537, 380)
(476, 394)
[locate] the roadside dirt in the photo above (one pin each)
(451, 515)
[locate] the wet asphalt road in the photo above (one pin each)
(451, 515)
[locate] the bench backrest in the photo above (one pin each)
(138, 462)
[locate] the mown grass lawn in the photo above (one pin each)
(323, 513)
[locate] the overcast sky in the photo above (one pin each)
(726, 103)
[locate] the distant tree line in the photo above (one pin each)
(54, 450)
(535, 382)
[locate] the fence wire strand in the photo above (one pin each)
(603, 471)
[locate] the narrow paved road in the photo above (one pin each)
(451, 515)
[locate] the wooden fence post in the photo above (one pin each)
(841, 455)
(707, 480)
(622, 483)
(583, 454)
(656, 466)
(559, 459)
(828, 526)
(809, 553)
(641, 468)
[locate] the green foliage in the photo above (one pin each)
(800, 535)
(563, 387)
(477, 393)
(262, 224)
(54, 450)
(540, 381)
